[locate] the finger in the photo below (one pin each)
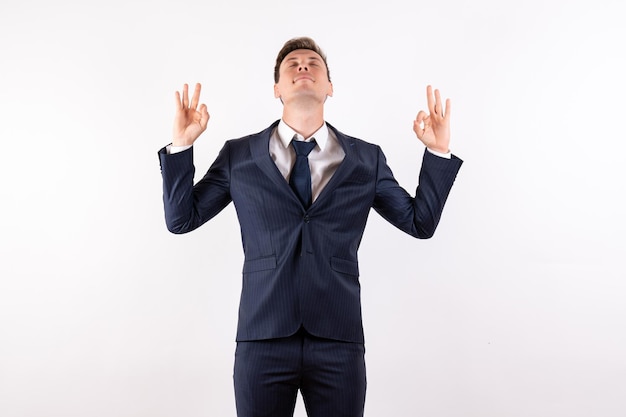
(447, 116)
(430, 100)
(419, 124)
(204, 116)
(438, 108)
(179, 105)
(185, 96)
(423, 119)
(417, 128)
(196, 96)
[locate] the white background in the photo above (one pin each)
(515, 308)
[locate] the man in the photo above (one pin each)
(302, 214)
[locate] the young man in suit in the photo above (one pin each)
(302, 215)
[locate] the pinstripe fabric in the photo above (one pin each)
(301, 265)
(329, 374)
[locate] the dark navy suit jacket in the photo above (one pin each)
(301, 266)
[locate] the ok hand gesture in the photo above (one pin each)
(189, 120)
(434, 129)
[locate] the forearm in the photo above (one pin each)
(178, 172)
(187, 206)
(419, 215)
(436, 178)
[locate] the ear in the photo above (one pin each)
(330, 90)
(276, 91)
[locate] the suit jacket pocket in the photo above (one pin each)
(344, 266)
(260, 264)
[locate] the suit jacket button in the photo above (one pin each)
(306, 218)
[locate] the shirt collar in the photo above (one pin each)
(286, 134)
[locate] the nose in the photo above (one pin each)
(303, 68)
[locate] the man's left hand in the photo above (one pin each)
(434, 129)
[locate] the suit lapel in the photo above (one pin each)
(259, 150)
(344, 170)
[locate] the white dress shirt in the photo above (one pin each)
(324, 159)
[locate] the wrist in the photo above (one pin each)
(438, 149)
(171, 149)
(446, 155)
(179, 142)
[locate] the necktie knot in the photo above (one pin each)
(303, 148)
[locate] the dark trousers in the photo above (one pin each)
(329, 374)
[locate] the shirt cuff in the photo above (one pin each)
(170, 149)
(447, 155)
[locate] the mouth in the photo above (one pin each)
(303, 78)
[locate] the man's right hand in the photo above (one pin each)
(190, 120)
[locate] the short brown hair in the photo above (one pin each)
(294, 44)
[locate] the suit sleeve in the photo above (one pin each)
(188, 206)
(419, 215)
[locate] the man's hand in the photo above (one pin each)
(189, 121)
(434, 129)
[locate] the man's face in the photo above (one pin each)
(303, 74)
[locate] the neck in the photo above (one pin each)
(305, 121)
